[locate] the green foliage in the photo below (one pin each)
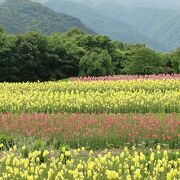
(143, 61)
(39, 144)
(176, 60)
(1, 30)
(96, 63)
(25, 151)
(34, 56)
(7, 141)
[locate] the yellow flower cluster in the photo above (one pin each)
(120, 164)
(101, 86)
(91, 97)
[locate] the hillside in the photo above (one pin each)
(160, 24)
(1, 1)
(24, 16)
(161, 4)
(103, 24)
(40, 1)
(164, 4)
(156, 19)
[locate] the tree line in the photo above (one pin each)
(34, 56)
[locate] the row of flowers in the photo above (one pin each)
(95, 130)
(81, 164)
(90, 102)
(161, 96)
(93, 86)
(127, 77)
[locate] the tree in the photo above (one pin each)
(32, 55)
(143, 61)
(118, 59)
(65, 55)
(8, 63)
(74, 32)
(1, 30)
(96, 63)
(175, 58)
(167, 65)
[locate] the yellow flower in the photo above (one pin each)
(125, 149)
(45, 153)
(14, 148)
(152, 156)
(158, 147)
(80, 166)
(132, 168)
(63, 149)
(165, 154)
(169, 177)
(128, 177)
(16, 171)
(90, 152)
(142, 156)
(103, 160)
(50, 173)
(37, 159)
(24, 147)
(67, 153)
(1, 145)
(83, 149)
(137, 174)
(8, 160)
(90, 165)
(111, 174)
(122, 155)
(89, 173)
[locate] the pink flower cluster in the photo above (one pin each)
(127, 77)
(122, 126)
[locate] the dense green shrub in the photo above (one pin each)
(96, 63)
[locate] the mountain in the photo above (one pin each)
(164, 4)
(40, 1)
(1, 1)
(103, 24)
(160, 24)
(25, 15)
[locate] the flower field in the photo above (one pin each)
(96, 130)
(136, 96)
(81, 164)
(124, 127)
(128, 77)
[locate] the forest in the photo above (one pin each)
(35, 56)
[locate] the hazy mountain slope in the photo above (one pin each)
(135, 3)
(102, 24)
(1, 1)
(24, 15)
(160, 24)
(167, 4)
(40, 1)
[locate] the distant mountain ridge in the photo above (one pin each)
(174, 4)
(158, 20)
(155, 23)
(103, 24)
(1, 1)
(160, 24)
(24, 16)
